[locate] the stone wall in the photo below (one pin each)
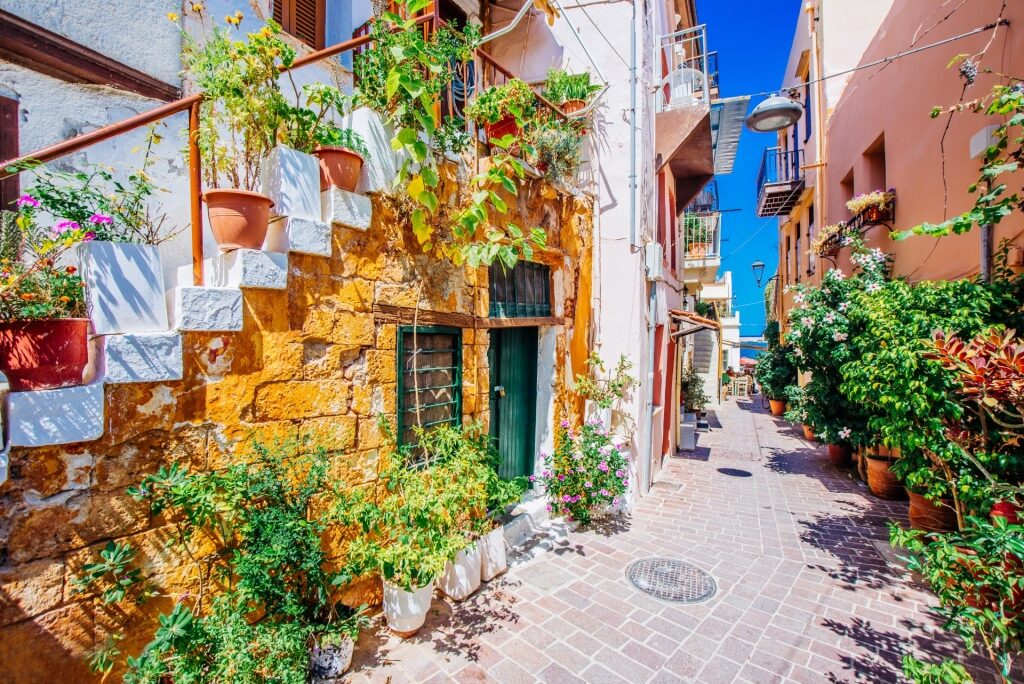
(316, 360)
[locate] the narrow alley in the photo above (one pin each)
(797, 548)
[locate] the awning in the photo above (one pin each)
(690, 323)
(727, 117)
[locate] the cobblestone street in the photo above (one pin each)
(798, 550)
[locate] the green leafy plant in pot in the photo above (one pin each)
(503, 109)
(571, 92)
(44, 340)
(238, 124)
(555, 149)
(775, 371)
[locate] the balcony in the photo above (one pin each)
(687, 67)
(780, 181)
(706, 200)
(702, 240)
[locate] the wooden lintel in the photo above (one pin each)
(403, 315)
(22, 42)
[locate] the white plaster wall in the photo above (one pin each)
(547, 363)
(134, 32)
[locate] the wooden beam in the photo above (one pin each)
(404, 315)
(521, 322)
(50, 53)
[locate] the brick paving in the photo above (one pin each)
(795, 545)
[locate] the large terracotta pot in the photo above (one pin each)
(238, 218)
(808, 432)
(778, 406)
(570, 106)
(931, 516)
(499, 130)
(840, 454)
(881, 480)
(45, 354)
(340, 167)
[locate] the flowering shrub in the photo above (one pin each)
(881, 199)
(823, 237)
(586, 472)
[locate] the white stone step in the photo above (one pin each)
(58, 416)
(346, 209)
(250, 268)
(210, 309)
(142, 357)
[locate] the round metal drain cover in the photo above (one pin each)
(671, 580)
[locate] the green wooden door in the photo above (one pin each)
(513, 360)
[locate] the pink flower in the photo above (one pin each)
(588, 485)
(99, 219)
(615, 501)
(565, 423)
(566, 498)
(89, 235)
(532, 478)
(620, 474)
(603, 467)
(549, 508)
(581, 469)
(27, 201)
(561, 478)
(605, 492)
(65, 226)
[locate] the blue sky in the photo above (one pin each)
(752, 40)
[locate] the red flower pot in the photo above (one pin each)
(840, 454)
(1005, 509)
(45, 354)
(570, 106)
(238, 218)
(778, 406)
(499, 130)
(881, 480)
(808, 432)
(340, 167)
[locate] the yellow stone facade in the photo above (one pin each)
(316, 360)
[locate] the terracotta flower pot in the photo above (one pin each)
(340, 167)
(931, 516)
(570, 106)
(499, 130)
(873, 213)
(881, 480)
(808, 432)
(840, 454)
(44, 354)
(778, 406)
(238, 218)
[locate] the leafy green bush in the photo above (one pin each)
(695, 398)
(513, 98)
(561, 87)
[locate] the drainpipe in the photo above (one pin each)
(632, 132)
(819, 114)
(986, 252)
(644, 477)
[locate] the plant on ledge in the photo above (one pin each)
(875, 205)
(512, 103)
(570, 91)
(555, 149)
(587, 474)
(824, 241)
(604, 391)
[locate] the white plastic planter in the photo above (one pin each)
(292, 180)
(406, 611)
(328, 663)
(125, 287)
(462, 574)
(493, 560)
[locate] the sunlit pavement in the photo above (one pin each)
(796, 546)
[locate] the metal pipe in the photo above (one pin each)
(632, 131)
(987, 230)
(523, 11)
(195, 183)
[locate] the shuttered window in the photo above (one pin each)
(429, 379)
(523, 291)
(303, 19)
(8, 149)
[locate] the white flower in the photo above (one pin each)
(795, 334)
(807, 321)
(830, 317)
(799, 352)
(845, 433)
(873, 287)
(839, 336)
(799, 298)
(843, 305)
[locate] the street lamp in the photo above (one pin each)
(758, 267)
(774, 114)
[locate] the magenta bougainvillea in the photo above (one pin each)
(586, 473)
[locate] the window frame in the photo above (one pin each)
(511, 309)
(401, 407)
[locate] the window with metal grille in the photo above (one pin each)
(429, 379)
(303, 19)
(523, 291)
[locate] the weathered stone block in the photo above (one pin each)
(30, 589)
(301, 235)
(342, 327)
(336, 433)
(251, 268)
(142, 357)
(381, 366)
(386, 336)
(346, 209)
(57, 416)
(51, 648)
(212, 309)
(302, 399)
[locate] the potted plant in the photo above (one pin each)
(881, 480)
(825, 241)
(695, 398)
(555, 149)
(796, 410)
(600, 393)
(44, 334)
(697, 233)
(330, 654)
(238, 125)
(313, 129)
(775, 373)
(571, 92)
(503, 109)
(120, 263)
(873, 206)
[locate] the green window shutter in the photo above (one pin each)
(523, 291)
(429, 379)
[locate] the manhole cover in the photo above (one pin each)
(671, 580)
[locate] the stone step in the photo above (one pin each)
(57, 416)
(142, 357)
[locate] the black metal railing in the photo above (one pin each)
(780, 166)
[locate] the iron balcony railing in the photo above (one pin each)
(780, 181)
(706, 200)
(688, 78)
(702, 236)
